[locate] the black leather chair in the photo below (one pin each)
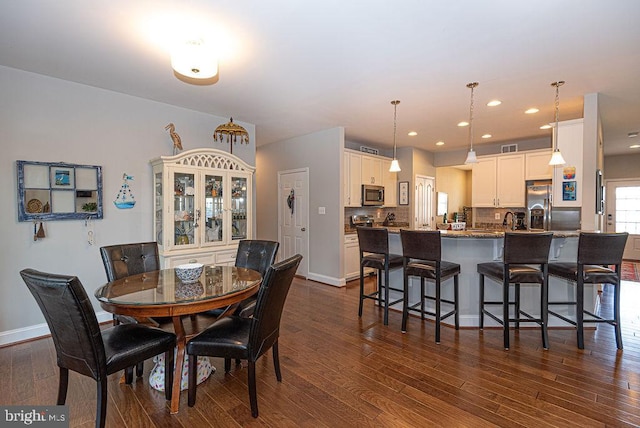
(374, 253)
(525, 261)
(236, 337)
(80, 344)
(596, 253)
(422, 257)
(257, 255)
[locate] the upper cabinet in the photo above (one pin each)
(203, 206)
(352, 179)
(567, 178)
(371, 170)
(536, 165)
(498, 181)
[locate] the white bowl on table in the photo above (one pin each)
(189, 272)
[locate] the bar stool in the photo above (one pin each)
(521, 251)
(374, 241)
(596, 252)
(422, 257)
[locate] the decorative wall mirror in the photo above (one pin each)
(58, 191)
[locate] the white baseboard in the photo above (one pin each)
(336, 282)
(39, 330)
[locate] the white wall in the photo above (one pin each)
(321, 152)
(47, 119)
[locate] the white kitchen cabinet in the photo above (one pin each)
(371, 170)
(498, 181)
(390, 183)
(352, 179)
(567, 178)
(202, 206)
(536, 165)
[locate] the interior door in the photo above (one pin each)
(293, 216)
(424, 205)
(623, 213)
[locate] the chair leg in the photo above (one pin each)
(505, 312)
(456, 295)
(168, 374)
(253, 397)
(101, 406)
(616, 314)
(422, 299)
(139, 369)
(405, 302)
(63, 383)
(517, 308)
(276, 361)
(580, 312)
(438, 313)
(386, 296)
(227, 365)
(481, 312)
(361, 291)
(193, 380)
(544, 312)
(128, 375)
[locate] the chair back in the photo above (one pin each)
(256, 254)
(373, 240)
(601, 248)
(421, 244)
(265, 324)
(527, 248)
(129, 259)
(71, 320)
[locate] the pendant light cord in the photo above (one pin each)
(557, 106)
(395, 120)
(472, 86)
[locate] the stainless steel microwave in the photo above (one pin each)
(372, 195)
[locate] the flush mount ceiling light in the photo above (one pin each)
(395, 166)
(232, 132)
(194, 59)
(556, 157)
(471, 156)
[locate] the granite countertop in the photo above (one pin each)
(473, 233)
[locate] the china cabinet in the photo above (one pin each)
(202, 206)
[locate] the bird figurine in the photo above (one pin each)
(177, 143)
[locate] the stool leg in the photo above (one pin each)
(580, 311)
(481, 313)
(438, 314)
(386, 296)
(405, 301)
(455, 301)
(422, 299)
(517, 308)
(616, 314)
(505, 311)
(361, 290)
(544, 310)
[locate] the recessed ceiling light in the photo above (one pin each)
(440, 143)
(494, 103)
(487, 136)
(635, 146)
(547, 126)
(463, 123)
(632, 134)
(532, 110)
(412, 134)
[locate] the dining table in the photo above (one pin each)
(161, 294)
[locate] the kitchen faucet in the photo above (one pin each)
(504, 221)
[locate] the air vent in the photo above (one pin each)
(509, 148)
(369, 150)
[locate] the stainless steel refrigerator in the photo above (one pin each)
(541, 213)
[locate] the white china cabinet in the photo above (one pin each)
(202, 206)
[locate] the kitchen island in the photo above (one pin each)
(468, 248)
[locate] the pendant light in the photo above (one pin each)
(395, 166)
(471, 156)
(556, 157)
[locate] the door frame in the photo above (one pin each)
(303, 269)
(609, 226)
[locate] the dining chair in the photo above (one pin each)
(597, 254)
(237, 337)
(81, 346)
(257, 255)
(525, 260)
(422, 258)
(374, 253)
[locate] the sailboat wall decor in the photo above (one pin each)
(125, 198)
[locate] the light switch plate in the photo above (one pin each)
(322, 210)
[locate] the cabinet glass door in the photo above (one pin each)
(238, 208)
(213, 208)
(159, 204)
(184, 209)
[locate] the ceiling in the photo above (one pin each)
(297, 67)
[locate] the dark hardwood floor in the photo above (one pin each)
(339, 370)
